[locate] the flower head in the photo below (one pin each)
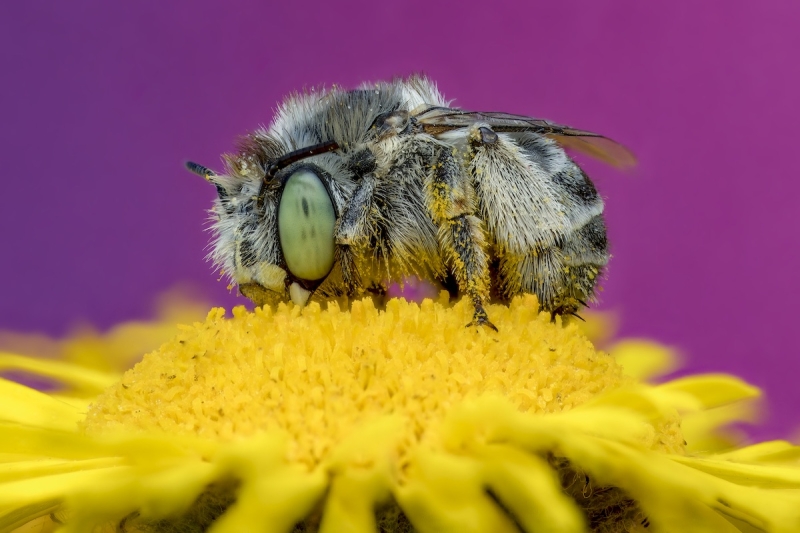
(400, 419)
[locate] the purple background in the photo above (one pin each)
(103, 101)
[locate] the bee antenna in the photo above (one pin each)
(198, 169)
(286, 160)
(207, 174)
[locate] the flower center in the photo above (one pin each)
(317, 375)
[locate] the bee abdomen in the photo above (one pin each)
(587, 244)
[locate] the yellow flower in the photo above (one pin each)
(397, 420)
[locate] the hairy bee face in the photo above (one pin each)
(347, 190)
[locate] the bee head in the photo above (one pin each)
(282, 248)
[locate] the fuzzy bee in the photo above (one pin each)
(347, 190)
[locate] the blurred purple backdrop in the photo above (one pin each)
(103, 101)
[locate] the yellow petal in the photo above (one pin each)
(55, 487)
(351, 501)
(746, 474)
(274, 496)
(528, 487)
(87, 380)
(644, 360)
(273, 502)
(20, 520)
(28, 441)
(46, 467)
(443, 492)
(713, 390)
(652, 403)
(776, 451)
(709, 431)
(27, 406)
(361, 471)
(167, 492)
(252, 457)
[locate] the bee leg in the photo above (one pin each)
(561, 311)
(451, 202)
(345, 258)
(539, 249)
(352, 231)
(469, 260)
(379, 295)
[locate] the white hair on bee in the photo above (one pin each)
(347, 190)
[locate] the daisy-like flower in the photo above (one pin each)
(395, 420)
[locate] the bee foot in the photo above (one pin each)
(481, 319)
(579, 317)
(561, 312)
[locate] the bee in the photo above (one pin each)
(348, 190)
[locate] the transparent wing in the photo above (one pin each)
(436, 120)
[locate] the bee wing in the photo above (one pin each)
(436, 120)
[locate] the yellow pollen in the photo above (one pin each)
(316, 374)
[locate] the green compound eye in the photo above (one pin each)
(305, 226)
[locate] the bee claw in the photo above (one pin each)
(481, 319)
(561, 312)
(579, 317)
(482, 322)
(568, 308)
